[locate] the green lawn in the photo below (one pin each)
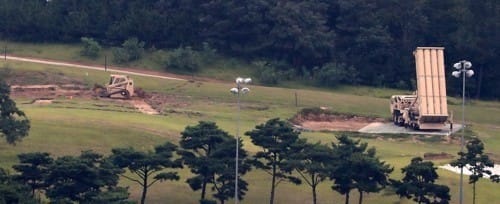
(70, 126)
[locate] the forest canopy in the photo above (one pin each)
(370, 40)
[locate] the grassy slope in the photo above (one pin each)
(62, 130)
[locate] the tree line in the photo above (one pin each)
(209, 152)
(329, 41)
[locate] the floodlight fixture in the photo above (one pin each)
(238, 90)
(245, 90)
(467, 64)
(469, 73)
(463, 68)
(234, 90)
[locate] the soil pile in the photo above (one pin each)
(322, 119)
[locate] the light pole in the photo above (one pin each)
(238, 90)
(463, 68)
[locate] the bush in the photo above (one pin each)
(132, 49)
(120, 55)
(184, 58)
(91, 48)
(268, 73)
(208, 53)
(333, 74)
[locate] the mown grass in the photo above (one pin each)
(224, 69)
(70, 126)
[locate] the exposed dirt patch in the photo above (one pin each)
(41, 78)
(161, 102)
(143, 107)
(50, 91)
(42, 101)
(436, 156)
(321, 119)
(45, 94)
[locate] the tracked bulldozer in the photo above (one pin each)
(119, 86)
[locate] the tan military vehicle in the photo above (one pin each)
(427, 109)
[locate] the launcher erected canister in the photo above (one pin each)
(427, 109)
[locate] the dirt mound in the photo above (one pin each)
(321, 119)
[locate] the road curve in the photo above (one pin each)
(101, 68)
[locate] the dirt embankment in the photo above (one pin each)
(321, 119)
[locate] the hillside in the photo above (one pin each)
(71, 124)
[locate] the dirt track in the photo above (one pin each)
(342, 123)
(93, 67)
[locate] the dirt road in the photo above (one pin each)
(115, 69)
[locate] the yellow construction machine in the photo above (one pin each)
(119, 86)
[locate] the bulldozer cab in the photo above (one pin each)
(120, 86)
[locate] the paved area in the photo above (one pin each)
(379, 127)
(494, 170)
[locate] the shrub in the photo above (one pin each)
(91, 48)
(132, 49)
(208, 53)
(267, 73)
(333, 74)
(120, 55)
(184, 58)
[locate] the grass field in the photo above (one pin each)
(70, 126)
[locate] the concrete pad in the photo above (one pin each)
(379, 127)
(494, 170)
